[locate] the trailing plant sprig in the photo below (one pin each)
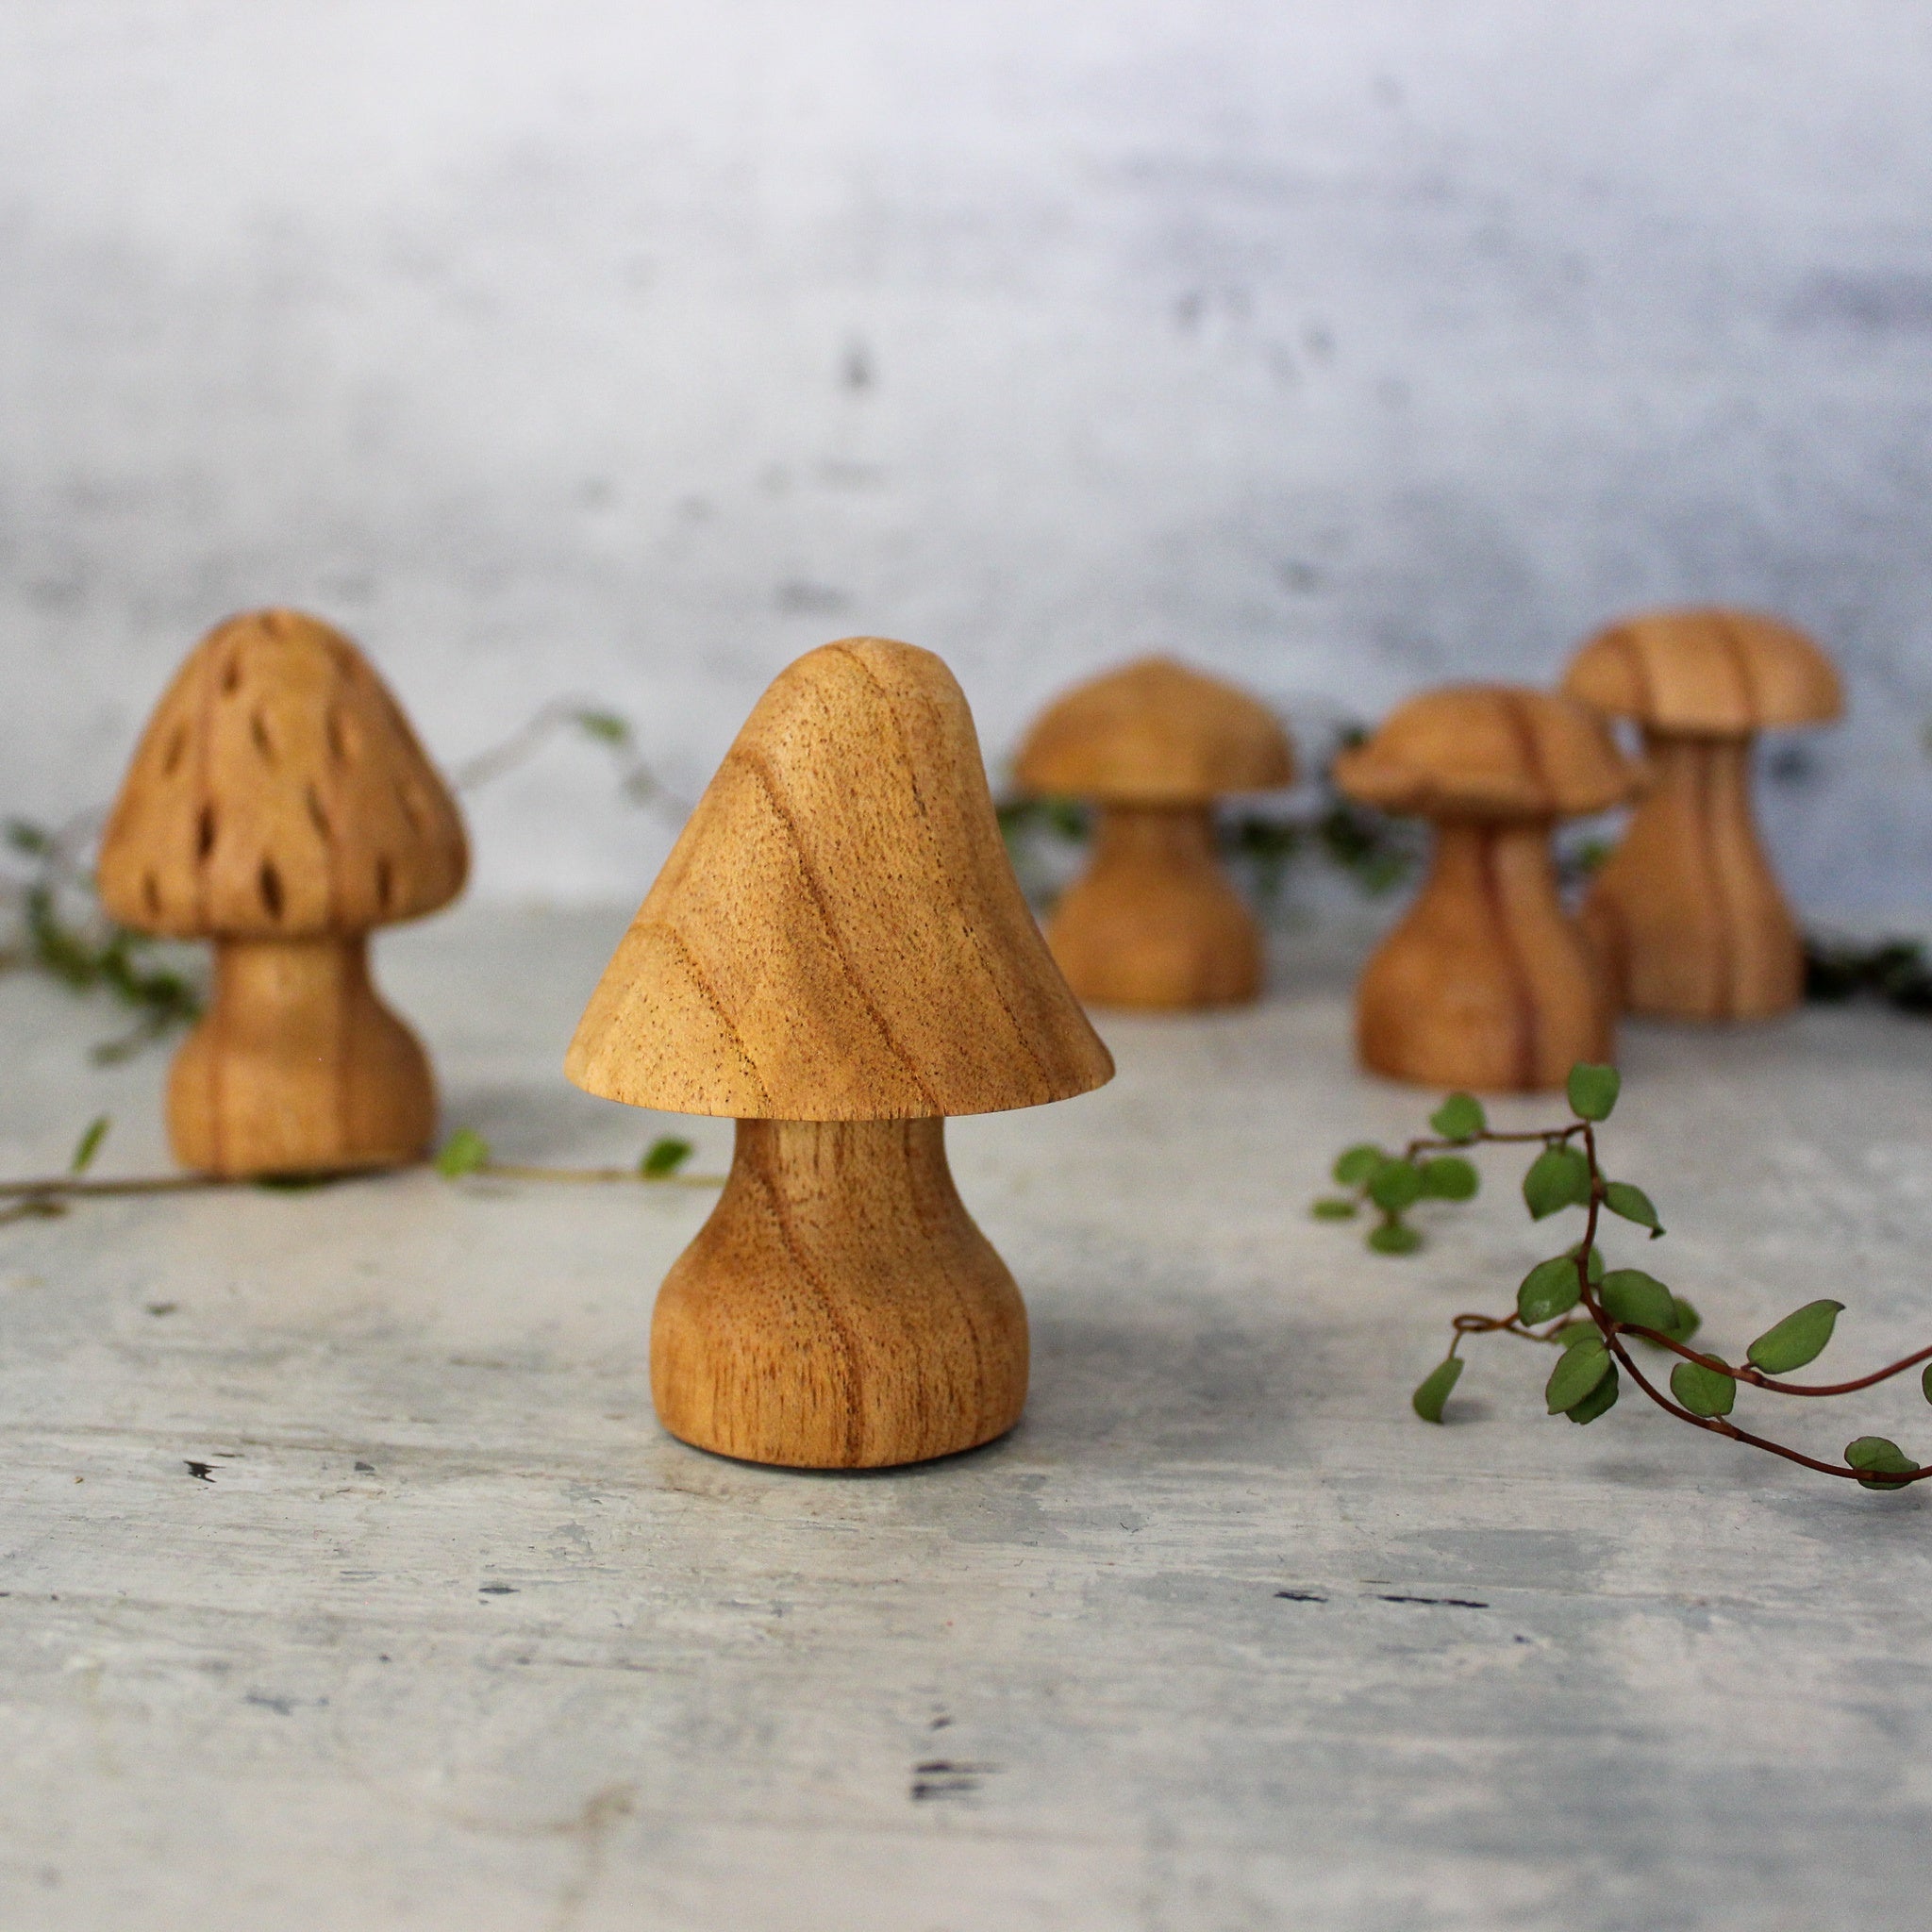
(52, 921)
(466, 1152)
(1372, 850)
(1617, 1306)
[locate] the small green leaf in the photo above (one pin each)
(664, 1157)
(1434, 1390)
(1549, 1290)
(1579, 1370)
(1451, 1178)
(24, 836)
(1926, 1382)
(1460, 1117)
(1559, 1177)
(1600, 1398)
(1633, 1204)
(1593, 1090)
(89, 1144)
(605, 726)
(465, 1151)
(1570, 1333)
(1628, 1294)
(1596, 1261)
(1701, 1390)
(1357, 1164)
(1881, 1457)
(1688, 1320)
(1394, 1238)
(1334, 1207)
(1395, 1185)
(1800, 1338)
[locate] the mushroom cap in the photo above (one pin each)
(278, 792)
(837, 935)
(1717, 673)
(1155, 732)
(1489, 751)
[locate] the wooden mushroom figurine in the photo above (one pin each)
(837, 955)
(1485, 983)
(279, 805)
(1687, 916)
(1154, 921)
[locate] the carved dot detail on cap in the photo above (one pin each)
(279, 805)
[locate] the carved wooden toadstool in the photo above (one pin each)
(837, 955)
(1485, 982)
(279, 805)
(1687, 915)
(1154, 921)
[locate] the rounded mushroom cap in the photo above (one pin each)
(1489, 751)
(278, 792)
(1720, 672)
(837, 934)
(1155, 732)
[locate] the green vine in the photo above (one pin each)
(52, 921)
(1619, 1306)
(1374, 853)
(1895, 970)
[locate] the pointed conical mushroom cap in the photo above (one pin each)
(278, 792)
(1155, 732)
(837, 935)
(1489, 751)
(1720, 673)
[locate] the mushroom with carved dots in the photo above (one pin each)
(837, 955)
(1686, 915)
(1154, 921)
(1485, 983)
(279, 805)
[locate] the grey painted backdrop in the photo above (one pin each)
(629, 350)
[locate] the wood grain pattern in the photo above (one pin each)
(1485, 983)
(1687, 917)
(840, 1309)
(838, 934)
(1155, 921)
(838, 955)
(279, 804)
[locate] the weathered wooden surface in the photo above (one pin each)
(454, 1637)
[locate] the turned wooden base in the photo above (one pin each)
(1485, 984)
(297, 1067)
(1686, 917)
(1154, 921)
(839, 1309)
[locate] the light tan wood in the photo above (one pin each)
(298, 1067)
(839, 1309)
(1155, 921)
(1686, 917)
(837, 954)
(279, 804)
(1485, 982)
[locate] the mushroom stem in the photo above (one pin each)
(839, 1309)
(298, 1067)
(1485, 982)
(1686, 915)
(1155, 921)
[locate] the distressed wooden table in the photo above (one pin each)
(348, 1582)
